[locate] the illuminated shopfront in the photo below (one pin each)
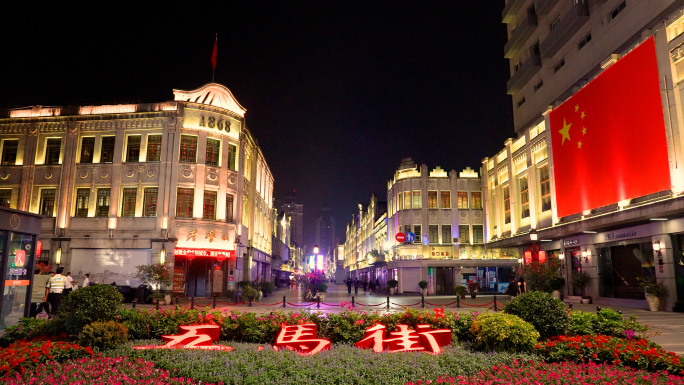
(203, 272)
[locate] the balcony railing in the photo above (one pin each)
(510, 10)
(529, 68)
(543, 7)
(520, 36)
(565, 29)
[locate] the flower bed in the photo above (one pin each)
(22, 355)
(635, 352)
(539, 373)
(100, 370)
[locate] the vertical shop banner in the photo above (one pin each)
(431, 280)
(608, 139)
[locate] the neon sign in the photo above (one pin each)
(195, 337)
(301, 339)
(218, 254)
(424, 339)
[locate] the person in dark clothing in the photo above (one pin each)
(377, 285)
(371, 286)
(521, 285)
(365, 285)
(356, 286)
(349, 285)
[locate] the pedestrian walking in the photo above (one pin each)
(86, 280)
(68, 284)
(521, 285)
(356, 286)
(54, 290)
(349, 285)
(371, 286)
(37, 294)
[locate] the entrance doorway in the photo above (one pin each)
(575, 267)
(444, 280)
(198, 283)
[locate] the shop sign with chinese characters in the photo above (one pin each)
(440, 252)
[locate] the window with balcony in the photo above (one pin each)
(82, 198)
(184, 199)
(107, 153)
(213, 151)
(150, 201)
(446, 234)
(478, 234)
(209, 205)
(417, 232)
(47, 202)
(102, 204)
(133, 148)
(433, 234)
(476, 200)
(153, 148)
(229, 207)
(188, 149)
(446, 199)
(462, 199)
(128, 202)
(407, 200)
(232, 154)
(464, 234)
(507, 204)
(524, 198)
(87, 149)
(616, 11)
(5, 197)
(9, 152)
(432, 199)
(545, 187)
(53, 149)
(417, 203)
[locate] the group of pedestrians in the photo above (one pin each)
(366, 285)
(57, 286)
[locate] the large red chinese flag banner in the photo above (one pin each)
(608, 140)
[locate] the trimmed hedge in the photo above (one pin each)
(87, 305)
(503, 333)
(546, 313)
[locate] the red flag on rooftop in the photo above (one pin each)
(608, 140)
(213, 54)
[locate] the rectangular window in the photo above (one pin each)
(538, 85)
(53, 148)
(153, 148)
(584, 41)
(432, 199)
(209, 205)
(407, 200)
(133, 148)
(232, 154)
(128, 202)
(478, 234)
(5, 197)
(188, 149)
(559, 65)
(213, 151)
(462, 200)
(464, 234)
(521, 102)
(407, 229)
(102, 204)
(9, 152)
(555, 23)
(446, 199)
(107, 153)
(616, 11)
(446, 234)
(87, 149)
(82, 198)
(185, 198)
(416, 199)
(524, 198)
(47, 202)
(476, 200)
(150, 201)
(545, 186)
(416, 231)
(433, 234)
(229, 207)
(507, 204)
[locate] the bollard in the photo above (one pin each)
(352, 301)
(598, 309)
(192, 303)
(388, 303)
(458, 301)
(157, 307)
(318, 302)
(284, 302)
(250, 302)
(495, 308)
(177, 299)
(422, 301)
(134, 302)
(213, 305)
(570, 306)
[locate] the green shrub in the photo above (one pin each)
(392, 283)
(460, 290)
(606, 322)
(28, 328)
(249, 294)
(244, 284)
(267, 287)
(545, 313)
(321, 287)
(103, 335)
(423, 284)
(502, 332)
(87, 305)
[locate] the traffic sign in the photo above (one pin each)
(401, 237)
(410, 237)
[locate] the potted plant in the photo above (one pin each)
(157, 275)
(460, 291)
(654, 292)
(581, 280)
(473, 287)
(267, 287)
(423, 287)
(556, 283)
(392, 283)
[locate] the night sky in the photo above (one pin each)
(336, 92)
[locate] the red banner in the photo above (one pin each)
(184, 251)
(609, 139)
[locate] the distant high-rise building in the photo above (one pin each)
(294, 211)
(325, 230)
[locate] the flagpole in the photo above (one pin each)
(213, 69)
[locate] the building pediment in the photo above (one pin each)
(212, 94)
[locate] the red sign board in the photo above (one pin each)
(39, 248)
(19, 258)
(222, 254)
(542, 256)
(401, 237)
(528, 257)
(195, 337)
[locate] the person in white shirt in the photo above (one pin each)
(69, 284)
(86, 280)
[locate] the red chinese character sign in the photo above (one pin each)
(302, 339)
(195, 337)
(405, 340)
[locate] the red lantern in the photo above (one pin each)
(190, 256)
(217, 267)
(220, 258)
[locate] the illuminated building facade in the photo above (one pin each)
(125, 185)
(557, 50)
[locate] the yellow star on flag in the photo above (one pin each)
(565, 131)
(582, 115)
(579, 144)
(577, 108)
(584, 130)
